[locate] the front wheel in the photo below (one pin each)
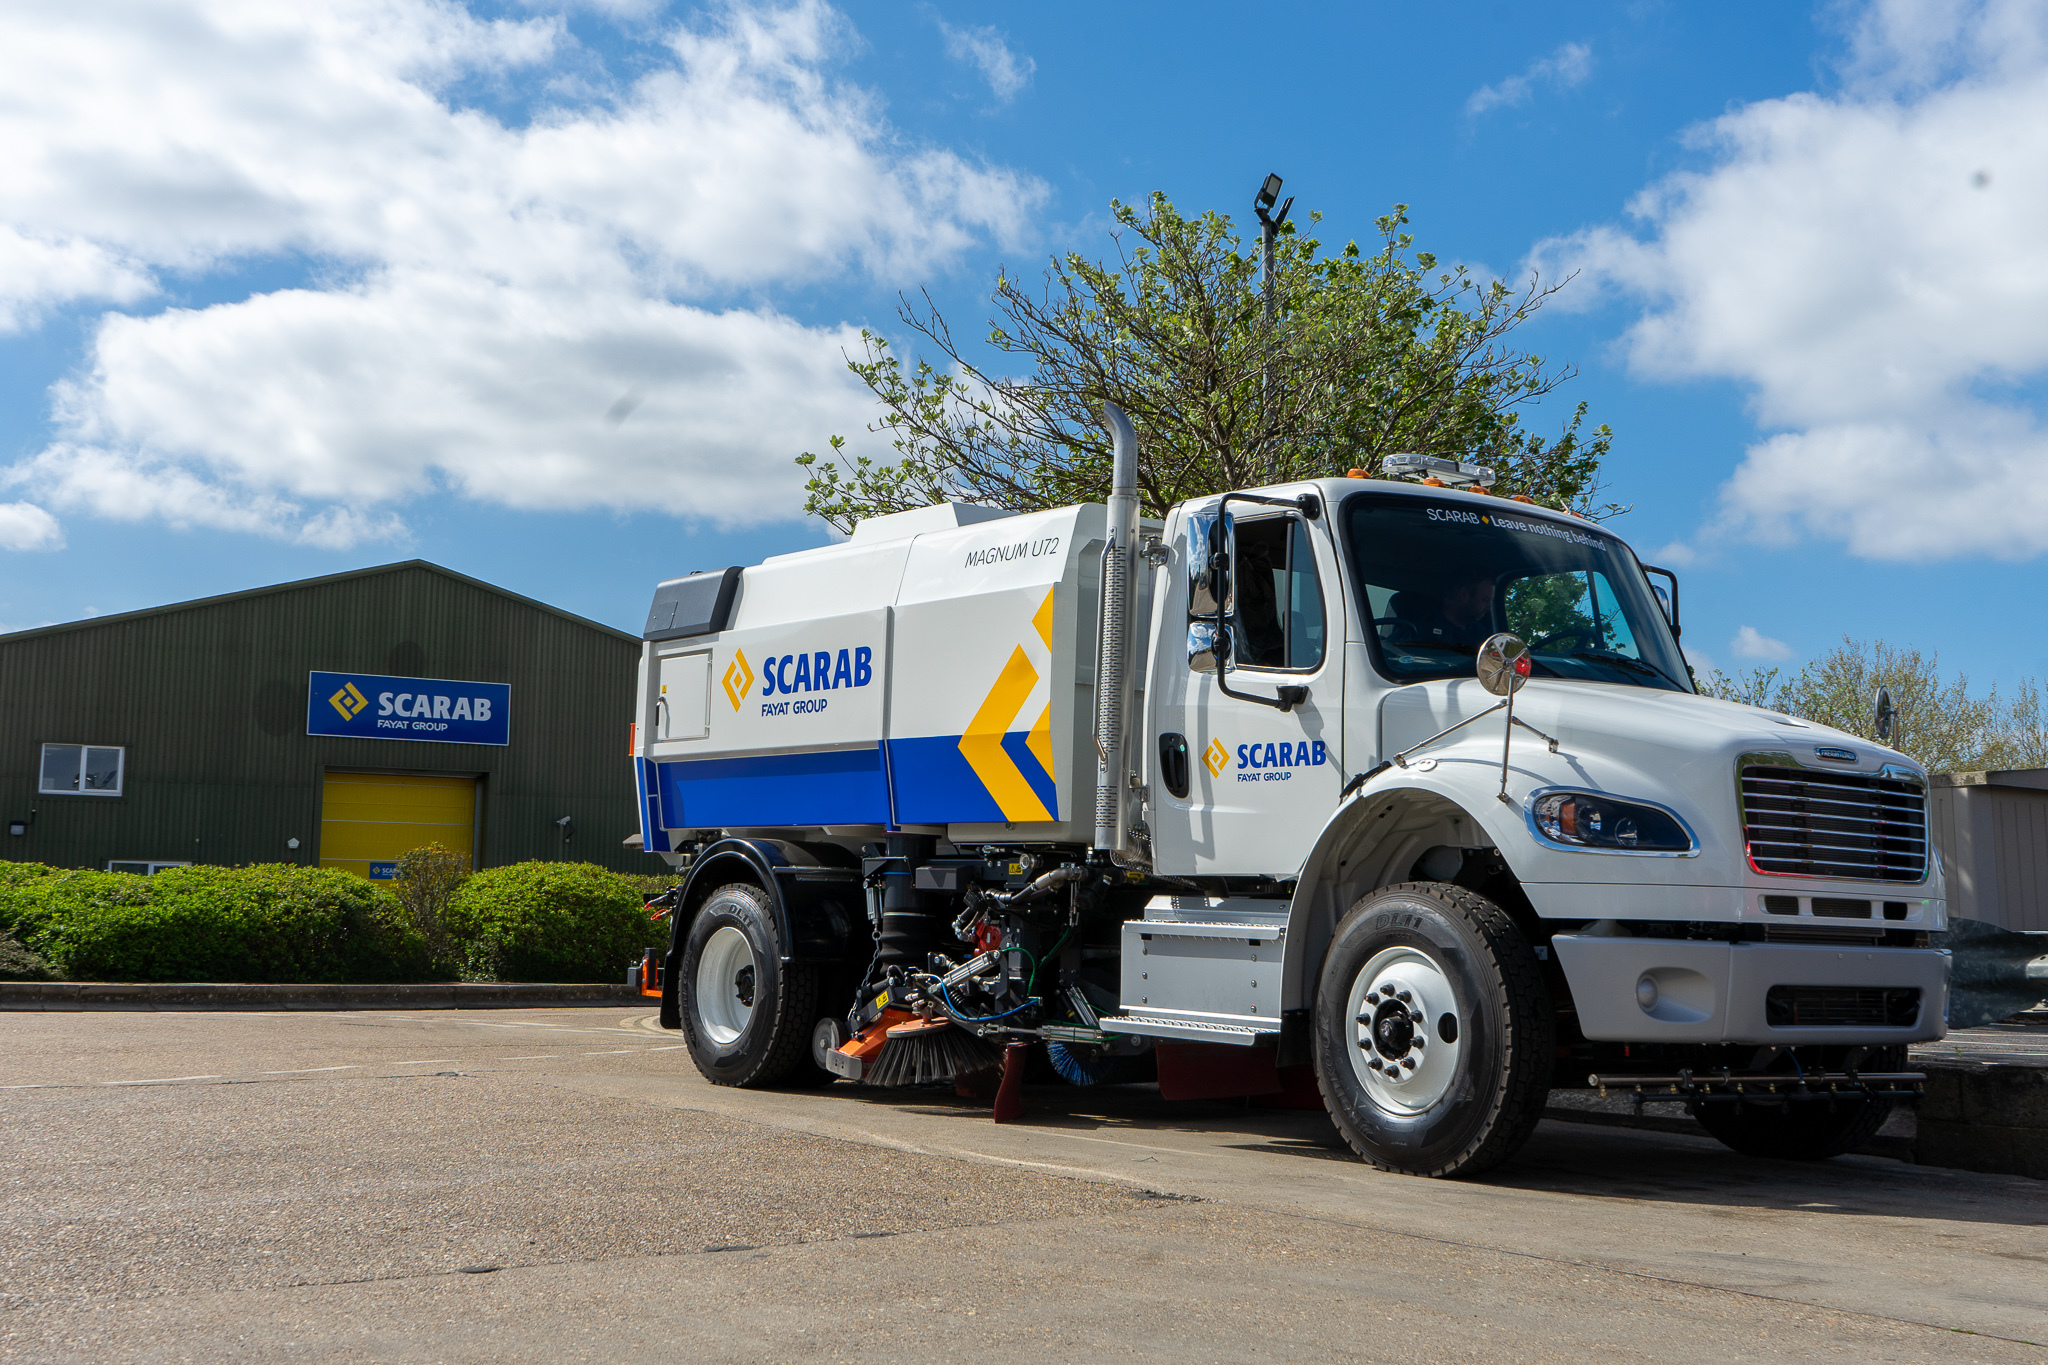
(747, 1015)
(1433, 1031)
(1804, 1129)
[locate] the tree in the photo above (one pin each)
(1938, 721)
(1368, 354)
(428, 878)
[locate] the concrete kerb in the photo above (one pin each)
(177, 995)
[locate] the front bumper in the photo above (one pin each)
(1703, 992)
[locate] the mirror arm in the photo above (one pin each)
(1672, 578)
(1308, 504)
(1290, 695)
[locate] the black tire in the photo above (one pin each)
(772, 1044)
(1493, 1057)
(1808, 1130)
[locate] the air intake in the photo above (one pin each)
(1803, 823)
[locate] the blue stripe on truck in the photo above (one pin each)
(934, 785)
(837, 787)
(653, 835)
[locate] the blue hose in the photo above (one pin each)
(954, 1009)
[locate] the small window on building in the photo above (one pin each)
(142, 867)
(82, 770)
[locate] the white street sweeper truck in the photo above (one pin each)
(1390, 793)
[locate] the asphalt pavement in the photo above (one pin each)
(560, 1185)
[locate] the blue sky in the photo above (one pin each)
(291, 290)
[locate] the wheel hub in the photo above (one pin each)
(1407, 1037)
(1393, 1032)
(722, 998)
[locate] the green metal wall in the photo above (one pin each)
(209, 700)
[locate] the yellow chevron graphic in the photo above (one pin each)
(1043, 621)
(1216, 757)
(982, 745)
(1039, 741)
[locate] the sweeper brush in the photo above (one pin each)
(924, 1050)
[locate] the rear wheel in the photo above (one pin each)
(1433, 1031)
(1801, 1130)
(747, 1016)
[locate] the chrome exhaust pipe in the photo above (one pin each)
(1113, 647)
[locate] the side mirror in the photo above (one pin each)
(1886, 714)
(1208, 566)
(1208, 646)
(1667, 600)
(1503, 664)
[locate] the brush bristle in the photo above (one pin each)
(941, 1054)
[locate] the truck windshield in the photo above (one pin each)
(1437, 577)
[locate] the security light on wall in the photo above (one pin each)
(568, 827)
(291, 843)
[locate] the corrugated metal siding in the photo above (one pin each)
(2020, 835)
(210, 702)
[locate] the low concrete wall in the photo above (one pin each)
(177, 995)
(1978, 1116)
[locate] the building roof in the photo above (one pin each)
(247, 593)
(2036, 778)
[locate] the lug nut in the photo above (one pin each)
(1408, 1062)
(1403, 996)
(1372, 997)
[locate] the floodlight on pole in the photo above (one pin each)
(1269, 232)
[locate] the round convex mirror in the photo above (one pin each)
(1503, 664)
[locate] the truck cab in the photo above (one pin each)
(1397, 784)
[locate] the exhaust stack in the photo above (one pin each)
(1113, 648)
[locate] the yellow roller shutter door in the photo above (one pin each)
(368, 819)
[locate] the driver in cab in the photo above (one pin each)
(1461, 619)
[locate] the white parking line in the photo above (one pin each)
(618, 1052)
(429, 1061)
(161, 1080)
(537, 1057)
(303, 1070)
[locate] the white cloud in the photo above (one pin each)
(25, 526)
(485, 291)
(1563, 69)
(1870, 265)
(988, 51)
(1750, 643)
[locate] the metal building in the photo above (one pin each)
(337, 721)
(1992, 830)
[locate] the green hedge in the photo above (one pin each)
(270, 922)
(550, 922)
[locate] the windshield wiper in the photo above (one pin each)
(1608, 656)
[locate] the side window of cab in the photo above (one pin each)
(1277, 618)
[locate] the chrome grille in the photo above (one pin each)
(1800, 822)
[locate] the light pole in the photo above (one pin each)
(1269, 232)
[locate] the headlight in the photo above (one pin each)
(1589, 821)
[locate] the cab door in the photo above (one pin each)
(1239, 787)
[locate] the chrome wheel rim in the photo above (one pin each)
(726, 981)
(1407, 1035)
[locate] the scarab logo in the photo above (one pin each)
(348, 701)
(1216, 758)
(738, 678)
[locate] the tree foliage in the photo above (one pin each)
(1369, 352)
(1939, 721)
